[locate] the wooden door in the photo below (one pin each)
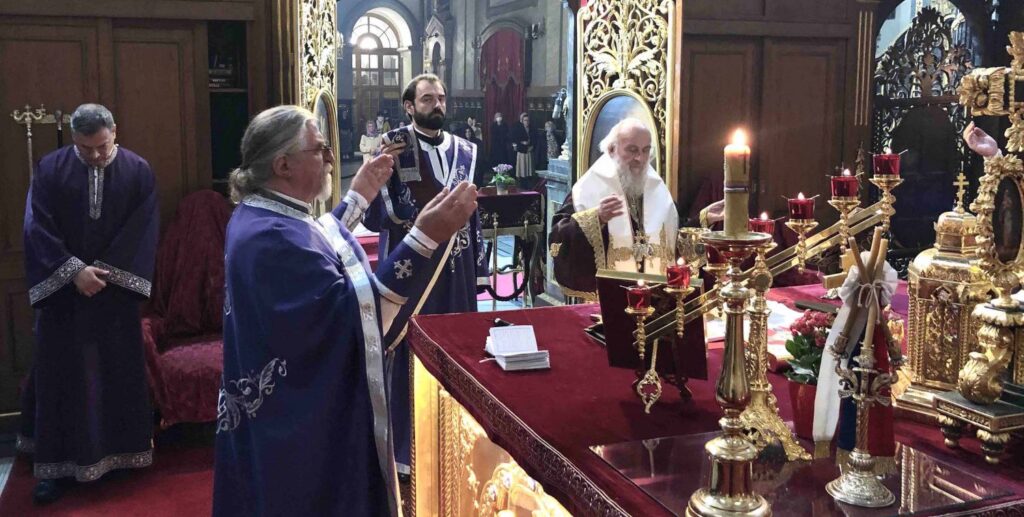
(719, 93)
(158, 71)
(802, 117)
(55, 65)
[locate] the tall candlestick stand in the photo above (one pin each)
(730, 491)
(761, 418)
(640, 334)
(886, 183)
(648, 385)
(801, 227)
(859, 485)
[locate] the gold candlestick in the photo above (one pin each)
(730, 491)
(801, 227)
(761, 418)
(844, 205)
(640, 334)
(680, 295)
(886, 183)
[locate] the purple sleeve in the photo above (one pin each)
(49, 267)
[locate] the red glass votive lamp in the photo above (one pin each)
(846, 185)
(887, 164)
(801, 207)
(762, 224)
(678, 275)
(638, 297)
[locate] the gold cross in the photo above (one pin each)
(960, 183)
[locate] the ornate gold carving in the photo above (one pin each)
(985, 92)
(627, 47)
(981, 379)
(510, 488)
(317, 33)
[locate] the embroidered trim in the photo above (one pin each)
(591, 226)
(125, 279)
(131, 460)
(388, 294)
(24, 444)
(64, 274)
(704, 221)
(417, 246)
(249, 397)
(95, 193)
(353, 212)
(258, 201)
(586, 296)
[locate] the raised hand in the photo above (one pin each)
(610, 207)
(447, 212)
(89, 281)
(716, 211)
(373, 175)
(980, 142)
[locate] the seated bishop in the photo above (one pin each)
(619, 215)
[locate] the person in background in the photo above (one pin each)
(369, 142)
(91, 228)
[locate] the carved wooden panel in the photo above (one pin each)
(158, 110)
(723, 9)
(720, 77)
(807, 10)
(801, 119)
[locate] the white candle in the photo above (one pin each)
(737, 184)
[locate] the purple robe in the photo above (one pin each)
(302, 425)
(86, 408)
(393, 212)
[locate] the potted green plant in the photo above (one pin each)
(806, 346)
(501, 179)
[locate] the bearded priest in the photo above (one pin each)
(619, 215)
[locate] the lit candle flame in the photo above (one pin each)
(739, 137)
(764, 216)
(888, 150)
(800, 196)
(639, 283)
(846, 172)
(680, 261)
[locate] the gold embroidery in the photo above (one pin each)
(591, 226)
(556, 247)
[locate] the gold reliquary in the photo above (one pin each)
(945, 283)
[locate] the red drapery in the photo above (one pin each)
(501, 71)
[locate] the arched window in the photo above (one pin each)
(376, 68)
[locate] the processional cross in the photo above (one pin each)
(961, 189)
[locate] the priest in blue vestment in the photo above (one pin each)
(428, 160)
(91, 227)
(302, 417)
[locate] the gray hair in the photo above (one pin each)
(612, 138)
(273, 133)
(90, 118)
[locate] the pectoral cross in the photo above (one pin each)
(960, 183)
(641, 249)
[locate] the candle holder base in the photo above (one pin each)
(859, 485)
(801, 227)
(886, 183)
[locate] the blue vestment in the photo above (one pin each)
(302, 426)
(86, 409)
(421, 172)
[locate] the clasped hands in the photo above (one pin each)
(90, 281)
(442, 216)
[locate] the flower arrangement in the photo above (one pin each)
(501, 176)
(807, 345)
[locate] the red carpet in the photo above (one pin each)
(179, 483)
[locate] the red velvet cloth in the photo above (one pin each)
(548, 419)
(182, 330)
(370, 244)
(188, 288)
(501, 74)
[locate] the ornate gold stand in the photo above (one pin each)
(886, 183)
(844, 205)
(680, 296)
(761, 418)
(648, 386)
(640, 334)
(732, 455)
(801, 227)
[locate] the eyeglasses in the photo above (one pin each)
(322, 148)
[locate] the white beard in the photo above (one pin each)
(632, 183)
(327, 189)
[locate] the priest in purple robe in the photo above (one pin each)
(91, 227)
(428, 160)
(302, 416)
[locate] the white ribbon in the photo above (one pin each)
(826, 399)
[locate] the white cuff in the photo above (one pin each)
(419, 241)
(358, 198)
